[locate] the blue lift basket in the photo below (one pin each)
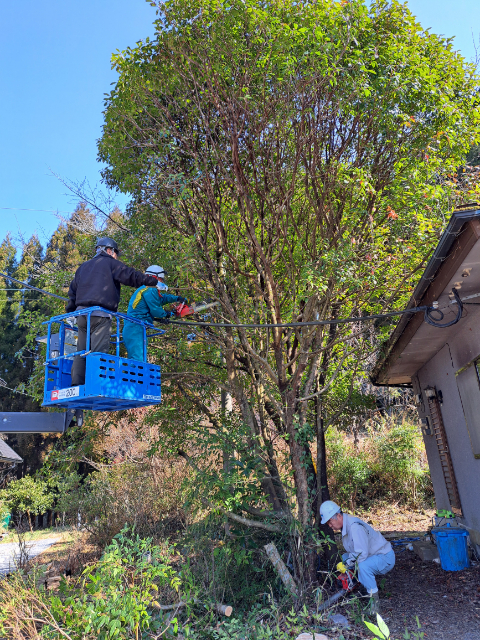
(112, 383)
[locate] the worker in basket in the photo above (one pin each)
(367, 550)
(97, 284)
(147, 304)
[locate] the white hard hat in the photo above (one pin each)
(327, 510)
(155, 270)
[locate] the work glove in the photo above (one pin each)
(182, 300)
(341, 567)
(71, 320)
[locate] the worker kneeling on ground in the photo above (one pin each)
(97, 284)
(147, 304)
(366, 548)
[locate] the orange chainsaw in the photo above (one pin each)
(347, 580)
(181, 309)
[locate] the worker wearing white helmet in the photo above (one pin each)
(366, 548)
(147, 304)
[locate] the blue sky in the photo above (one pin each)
(54, 70)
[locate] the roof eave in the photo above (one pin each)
(456, 223)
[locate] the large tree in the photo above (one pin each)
(290, 160)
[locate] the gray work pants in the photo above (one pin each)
(99, 341)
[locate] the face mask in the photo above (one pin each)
(161, 286)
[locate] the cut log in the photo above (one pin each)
(53, 582)
(281, 569)
(224, 609)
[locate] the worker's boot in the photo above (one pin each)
(374, 604)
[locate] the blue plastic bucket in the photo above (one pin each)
(452, 548)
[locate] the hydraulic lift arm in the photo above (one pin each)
(36, 422)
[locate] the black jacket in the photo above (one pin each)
(97, 283)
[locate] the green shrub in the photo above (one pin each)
(127, 493)
(27, 495)
(349, 470)
(399, 465)
(114, 598)
(389, 463)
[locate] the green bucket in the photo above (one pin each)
(5, 521)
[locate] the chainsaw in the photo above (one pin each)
(348, 581)
(181, 309)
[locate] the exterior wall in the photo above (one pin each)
(440, 372)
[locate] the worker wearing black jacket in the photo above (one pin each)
(97, 284)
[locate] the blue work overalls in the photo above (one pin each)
(146, 304)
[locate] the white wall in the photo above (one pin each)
(440, 373)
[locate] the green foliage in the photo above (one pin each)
(17, 356)
(228, 568)
(27, 495)
(117, 594)
(136, 494)
(249, 628)
(414, 635)
(380, 629)
(388, 465)
(114, 598)
(400, 466)
(350, 470)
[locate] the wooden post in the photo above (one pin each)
(281, 569)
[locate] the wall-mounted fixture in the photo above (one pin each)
(426, 427)
(430, 392)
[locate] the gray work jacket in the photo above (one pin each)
(361, 540)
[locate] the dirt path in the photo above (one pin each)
(447, 603)
(9, 552)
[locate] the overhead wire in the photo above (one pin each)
(436, 322)
(29, 286)
(3, 385)
(285, 325)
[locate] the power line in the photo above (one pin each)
(435, 322)
(3, 385)
(29, 286)
(313, 323)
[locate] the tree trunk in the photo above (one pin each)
(30, 521)
(328, 554)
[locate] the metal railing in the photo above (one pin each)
(117, 339)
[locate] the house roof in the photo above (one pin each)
(454, 263)
(7, 454)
